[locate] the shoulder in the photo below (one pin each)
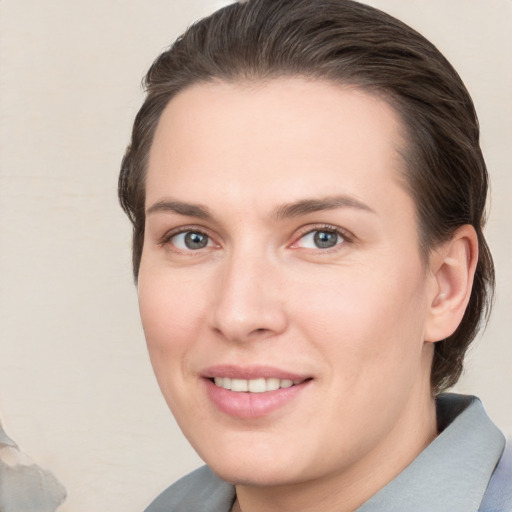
(200, 491)
(498, 496)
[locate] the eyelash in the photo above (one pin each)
(343, 234)
(329, 228)
(167, 238)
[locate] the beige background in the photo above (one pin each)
(76, 389)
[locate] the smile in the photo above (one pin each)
(260, 385)
(250, 393)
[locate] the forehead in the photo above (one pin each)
(283, 136)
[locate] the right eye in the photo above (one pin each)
(321, 239)
(190, 240)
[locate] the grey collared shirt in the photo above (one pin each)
(453, 472)
(450, 475)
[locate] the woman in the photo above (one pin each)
(307, 193)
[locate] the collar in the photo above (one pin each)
(452, 473)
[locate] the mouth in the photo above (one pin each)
(254, 392)
(259, 385)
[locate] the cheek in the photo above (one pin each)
(368, 323)
(169, 303)
(171, 318)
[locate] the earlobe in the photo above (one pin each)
(452, 268)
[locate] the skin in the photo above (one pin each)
(358, 319)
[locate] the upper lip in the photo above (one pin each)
(250, 372)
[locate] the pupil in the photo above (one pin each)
(195, 240)
(325, 239)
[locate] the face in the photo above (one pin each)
(281, 289)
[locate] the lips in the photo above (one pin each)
(250, 372)
(252, 392)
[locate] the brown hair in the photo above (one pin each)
(349, 43)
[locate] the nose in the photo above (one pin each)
(250, 300)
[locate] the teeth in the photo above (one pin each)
(239, 385)
(257, 386)
(273, 384)
(223, 382)
(254, 385)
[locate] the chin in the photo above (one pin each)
(252, 475)
(255, 466)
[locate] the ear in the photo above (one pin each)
(452, 268)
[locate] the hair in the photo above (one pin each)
(348, 43)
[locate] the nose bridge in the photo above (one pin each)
(248, 300)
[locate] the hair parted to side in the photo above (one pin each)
(344, 42)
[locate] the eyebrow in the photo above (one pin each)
(282, 212)
(181, 208)
(306, 206)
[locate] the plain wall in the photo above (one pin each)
(76, 389)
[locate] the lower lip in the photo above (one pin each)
(251, 405)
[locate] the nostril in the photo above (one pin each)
(244, 320)
(259, 332)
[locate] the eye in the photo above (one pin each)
(320, 239)
(190, 240)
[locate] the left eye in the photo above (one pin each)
(320, 239)
(191, 240)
